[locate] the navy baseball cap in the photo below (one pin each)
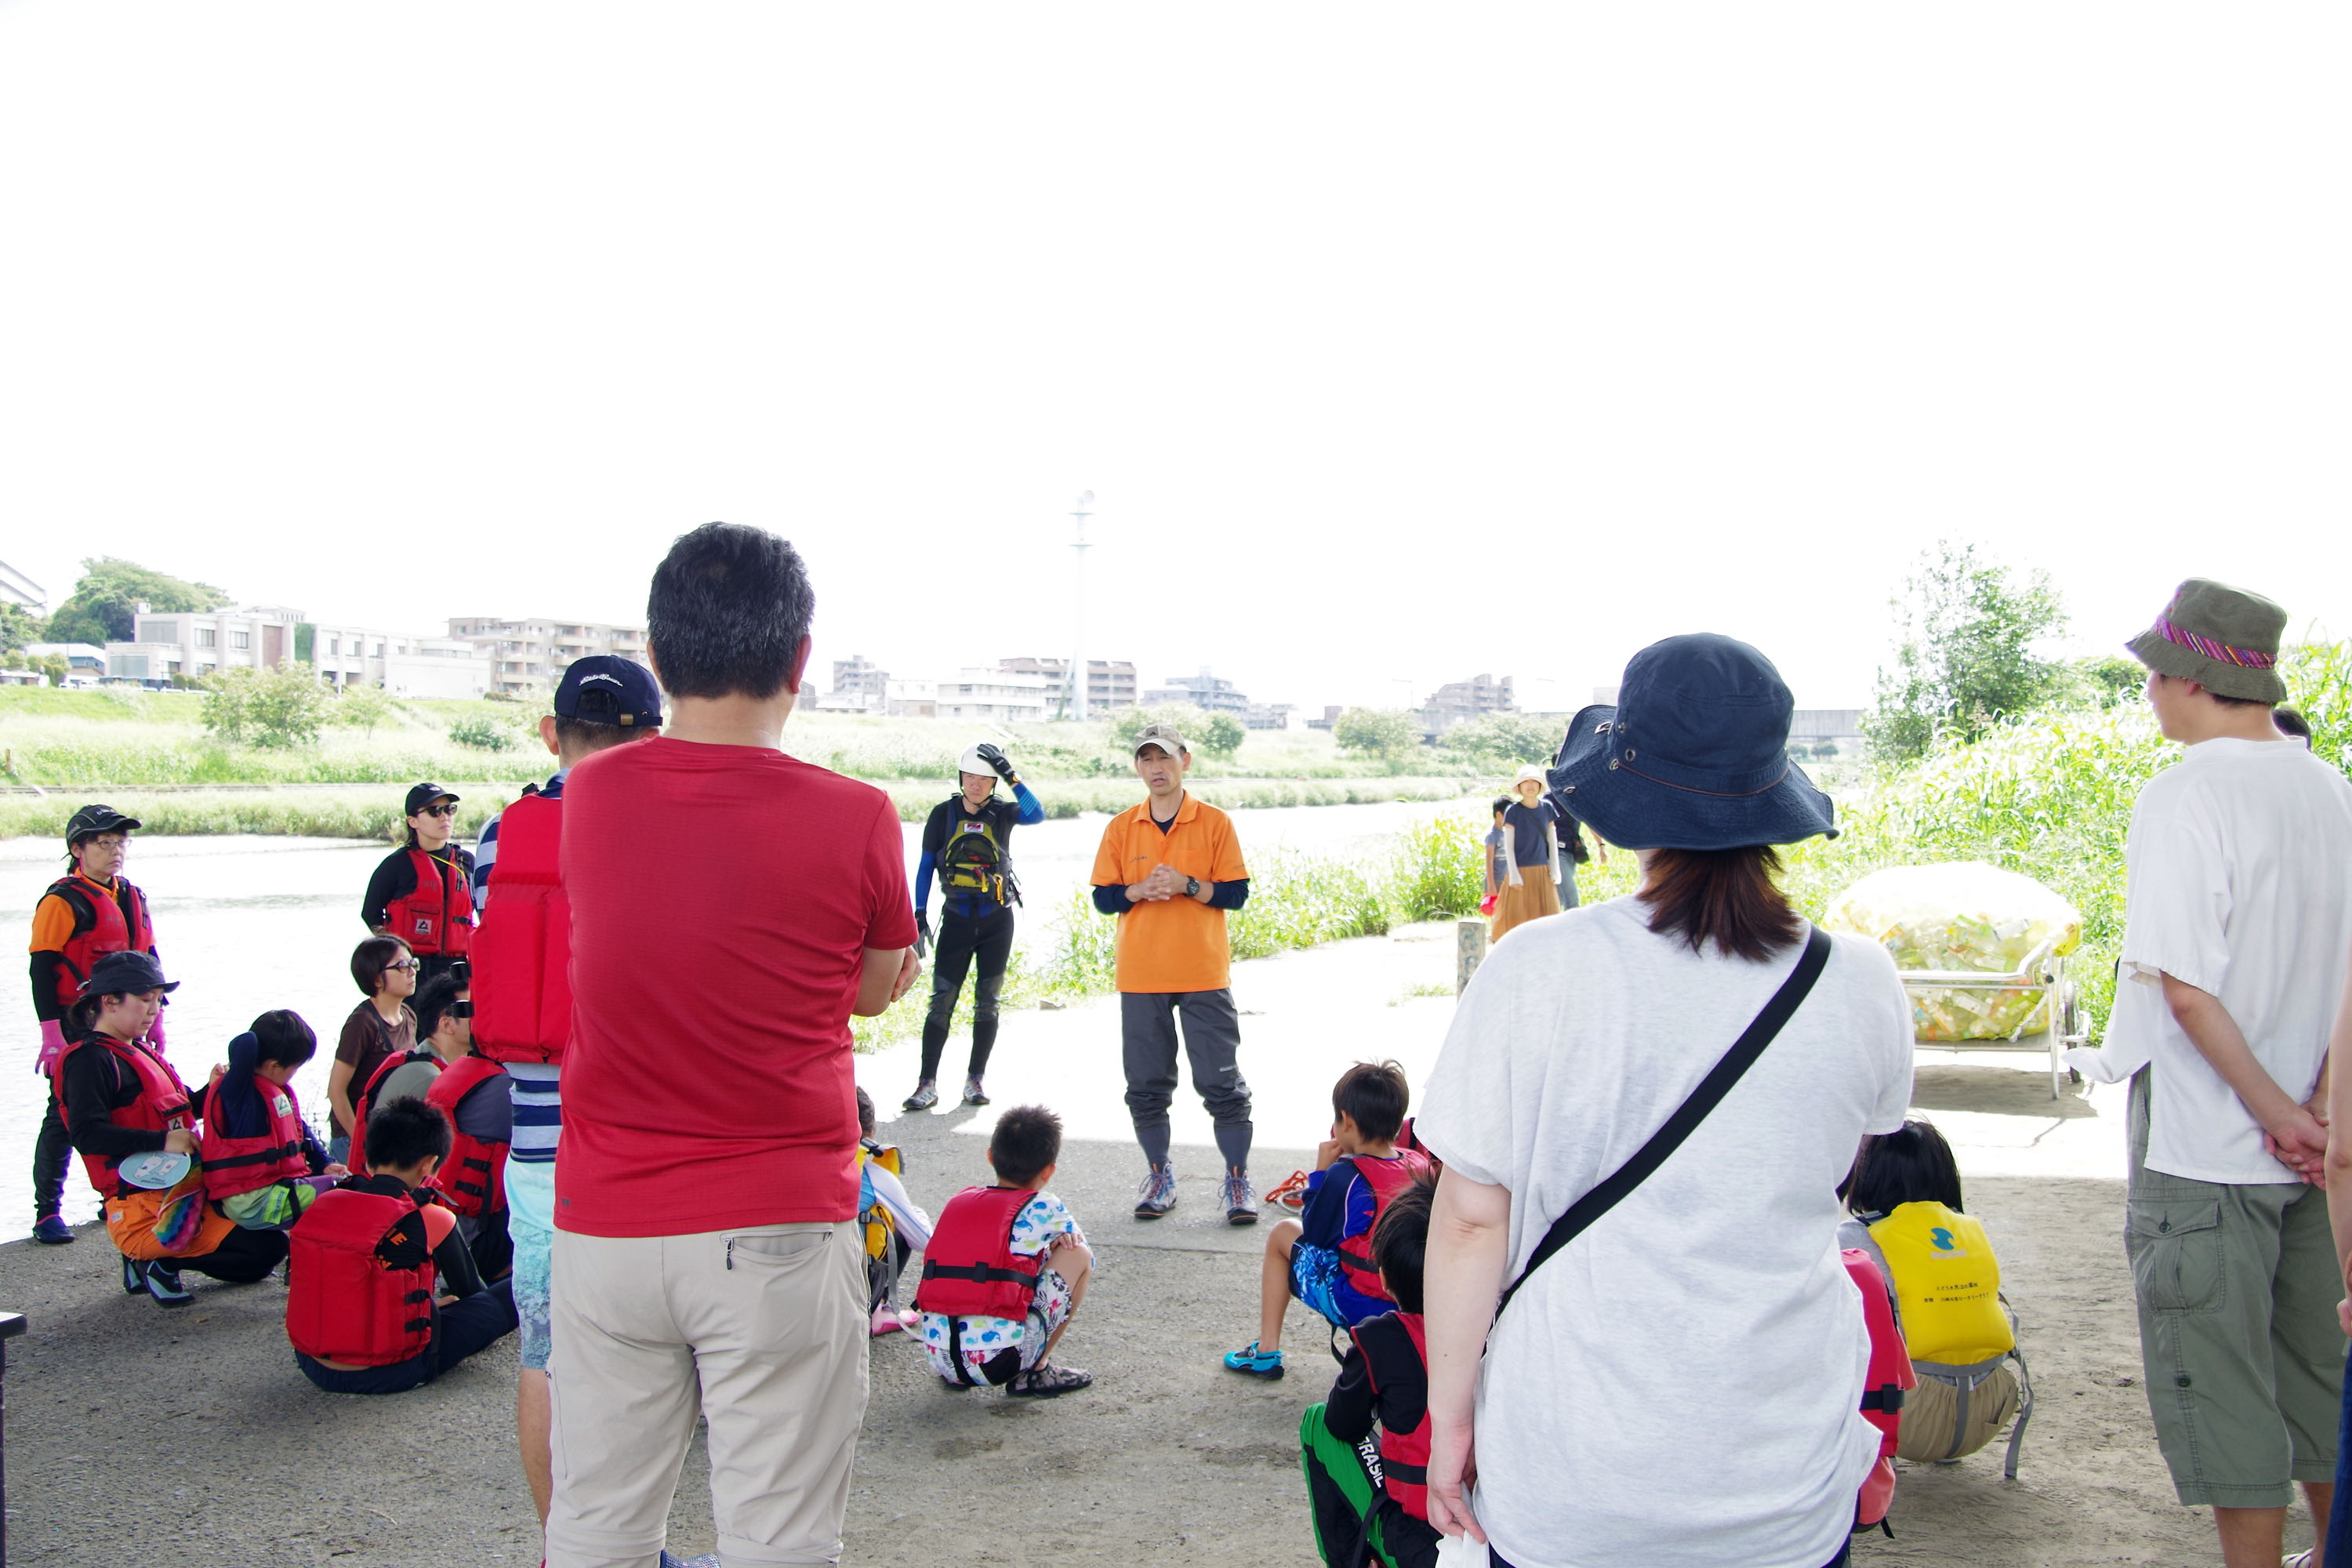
(126, 973)
(424, 794)
(604, 689)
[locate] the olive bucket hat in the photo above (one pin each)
(2223, 639)
(1694, 755)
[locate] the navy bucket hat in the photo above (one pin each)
(1694, 755)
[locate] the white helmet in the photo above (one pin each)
(973, 763)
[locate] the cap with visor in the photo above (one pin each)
(427, 794)
(92, 820)
(1163, 736)
(605, 689)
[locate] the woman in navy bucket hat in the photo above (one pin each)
(1665, 1251)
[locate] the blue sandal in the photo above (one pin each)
(1254, 1362)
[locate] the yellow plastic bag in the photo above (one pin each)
(1962, 915)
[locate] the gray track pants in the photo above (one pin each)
(1213, 1038)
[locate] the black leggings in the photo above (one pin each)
(1844, 1556)
(989, 938)
(241, 1257)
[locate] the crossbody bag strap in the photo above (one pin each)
(1703, 1099)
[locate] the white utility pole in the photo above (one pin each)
(1077, 705)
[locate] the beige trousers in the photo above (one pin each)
(762, 1332)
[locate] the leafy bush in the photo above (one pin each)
(1438, 870)
(1499, 742)
(363, 708)
(1389, 733)
(277, 709)
(1220, 735)
(482, 734)
(1966, 657)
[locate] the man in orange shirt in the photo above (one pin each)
(1169, 869)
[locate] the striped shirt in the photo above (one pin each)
(538, 1100)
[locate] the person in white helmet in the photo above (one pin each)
(967, 846)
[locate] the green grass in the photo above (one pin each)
(317, 813)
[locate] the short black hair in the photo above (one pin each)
(1401, 1242)
(285, 1039)
(372, 958)
(728, 612)
(1027, 1139)
(2238, 701)
(431, 1001)
(2291, 722)
(865, 1114)
(404, 1133)
(1502, 804)
(583, 737)
(1374, 1095)
(1909, 1166)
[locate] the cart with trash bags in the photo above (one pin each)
(1982, 953)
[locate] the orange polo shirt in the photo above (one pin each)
(1178, 944)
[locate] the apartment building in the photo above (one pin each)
(403, 664)
(1210, 693)
(529, 655)
(197, 643)
(1458, 701)
(996, 697)
(1110, 682)
(16, 588)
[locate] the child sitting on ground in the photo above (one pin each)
(896, 1228)
(259, 1155)
(1327, 1260)
(1006, 1269)
(471, 1090)
(1358, 1504)
(381, 1295)
(1905, 1195)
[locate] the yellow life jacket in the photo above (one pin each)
(1947, 1285)
(876, 1216)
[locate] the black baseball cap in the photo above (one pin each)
(604, 689)
(92, 820)
(424, 794)
(126, 972)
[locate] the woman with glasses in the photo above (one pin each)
(379, 1029)
(422, 891)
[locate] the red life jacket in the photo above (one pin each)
(99, 928)
(162, 1106)
(1404, 1456)
(365, 1103)
(970, 1269)
(522, 959)
(342, 1303)
(234, 1165)
(473, 1179)
(1890, 1378)
(438, 917)
(1386, 1178)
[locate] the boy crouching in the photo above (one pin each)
(1005, 1270)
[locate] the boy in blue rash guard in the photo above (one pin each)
(967, 845)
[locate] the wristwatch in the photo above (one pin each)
(1192, 887)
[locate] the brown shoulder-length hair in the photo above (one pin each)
(1727, 897)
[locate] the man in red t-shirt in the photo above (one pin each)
(706, 1258)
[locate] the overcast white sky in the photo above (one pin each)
(1396, 345)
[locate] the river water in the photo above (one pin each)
(247, 924)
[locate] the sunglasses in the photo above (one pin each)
(438, 811)
(404, 964)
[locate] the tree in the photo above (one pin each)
(1498, 741)
(1388, 733)
(19, 625)
(111, 590)
(1221, 735)
(1966, 655)
(279, 708)
(2108, 678)
(362, 708)
(55, 666)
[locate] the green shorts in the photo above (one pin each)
(2238, 1336)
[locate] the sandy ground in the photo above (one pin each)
(189, 1438)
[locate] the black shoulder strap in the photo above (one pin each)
(1703, 1099)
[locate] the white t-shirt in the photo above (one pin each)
(2239, 864)
(1681, 1383)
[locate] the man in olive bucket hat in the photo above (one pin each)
(2237, 924)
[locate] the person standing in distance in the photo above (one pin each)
(2237, 930)
(86, 914)
(967, 844)
(706, 1258)
(522, 996)
(1169, 869)
(422, 891)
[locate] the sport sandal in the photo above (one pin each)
(1046, 1381)
(1254, 1362)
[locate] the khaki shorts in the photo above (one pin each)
(2244, 1359)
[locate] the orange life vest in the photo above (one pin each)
(439, 916)
(473, 1179)
(523, 953)
(100, 928)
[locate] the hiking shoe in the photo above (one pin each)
(53, 1231)
(973, 1092)
(1158, 1195)
(1241, 1204)
(134, 1277)
(926, 1095)
(1046, 1381)
(163, 1282)
(1267, 1365)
